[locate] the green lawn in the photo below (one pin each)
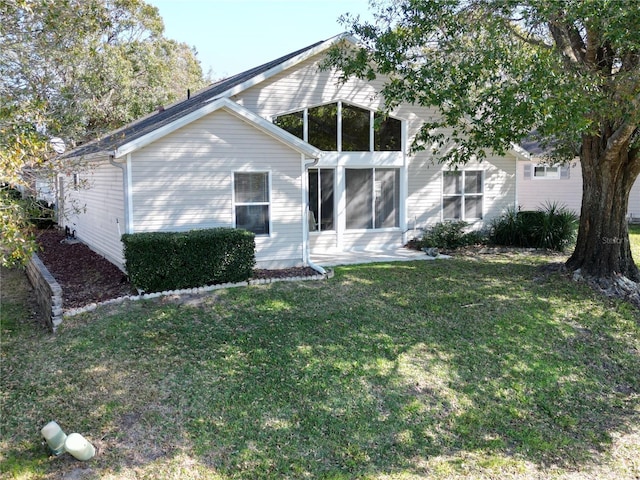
(461, 368)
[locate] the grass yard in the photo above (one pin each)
(448, 369)
(634, 237)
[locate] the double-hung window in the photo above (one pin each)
(462, 193)
(251, 194)
(373, 198)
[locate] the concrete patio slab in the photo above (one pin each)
(352, 257)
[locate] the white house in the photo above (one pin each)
(289, 152)
(540, 183)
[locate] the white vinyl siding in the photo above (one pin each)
(565, 191)
(184, 181)
(305, 85)
(534, 192)
(634, 202)
(95, 210)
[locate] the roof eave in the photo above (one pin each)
(231, 107)
(520, 153)
(90, 157)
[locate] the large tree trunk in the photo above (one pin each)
(603, 248)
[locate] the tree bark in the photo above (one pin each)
(602, 248)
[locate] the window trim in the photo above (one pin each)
(546, 175)
(463, 195)
(239, 204)
(339, 136)
(319, 230)
(397, 179)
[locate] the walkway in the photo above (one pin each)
(332, 259)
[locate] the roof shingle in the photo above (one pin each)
(155, 120)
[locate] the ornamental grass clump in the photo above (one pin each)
(552, 227)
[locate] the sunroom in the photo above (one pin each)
(356, 192)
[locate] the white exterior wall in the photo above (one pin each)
(634, 202)
(533, 193)
(96, 210)
(421, 176)
(183, 181)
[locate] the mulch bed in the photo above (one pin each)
(86, 277)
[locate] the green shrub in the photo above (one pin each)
(175, 260)
(553, 227)
(557, 229)
(449, 235)
(41, 214)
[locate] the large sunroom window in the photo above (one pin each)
(343, 127)
(373, 198)
(321, 199)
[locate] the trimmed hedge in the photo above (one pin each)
(162, 261)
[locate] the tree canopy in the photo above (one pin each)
(565, 72)
(71, 70)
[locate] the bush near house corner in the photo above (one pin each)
(161, 261)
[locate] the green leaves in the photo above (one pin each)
(498, 70)
(76, 69)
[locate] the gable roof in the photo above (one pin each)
(114, 142)
(230, 107)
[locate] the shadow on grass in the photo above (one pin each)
(409, 368)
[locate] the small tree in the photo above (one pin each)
(73, 70)
(500, 69)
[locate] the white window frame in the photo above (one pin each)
(463, 195)
(318, 221)
(240, 204)
(339, 106)
(547, 174)
(398, 177)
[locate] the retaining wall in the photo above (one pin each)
(47, 291)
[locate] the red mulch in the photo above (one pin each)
(86, 277)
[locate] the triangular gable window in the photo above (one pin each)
(343, 127)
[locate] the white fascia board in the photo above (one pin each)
(90, 157)
(231, 107)
(270, 129)
(160, 132)
(286, 65)
(520, 153)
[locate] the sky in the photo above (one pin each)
(232, 36)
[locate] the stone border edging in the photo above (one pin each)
(192, 291)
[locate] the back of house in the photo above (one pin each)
(307, 162)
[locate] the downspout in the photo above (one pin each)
(122, 167)
(305, 227)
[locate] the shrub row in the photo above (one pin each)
(552, 227)
(449, 235)
(175, 260)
